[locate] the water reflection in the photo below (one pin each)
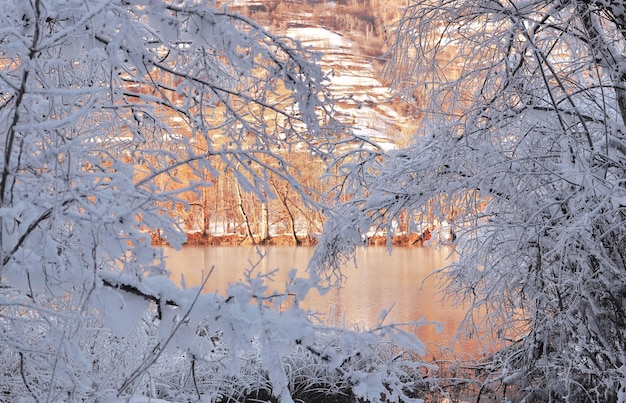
(379, 281)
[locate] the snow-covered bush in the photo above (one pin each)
(521, 148)
(215, 348)
(101, 103)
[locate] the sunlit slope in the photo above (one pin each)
(351, 37)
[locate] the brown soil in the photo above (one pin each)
(201, 239)
(401, 240)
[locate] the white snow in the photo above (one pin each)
(367, 107)
(318, 37)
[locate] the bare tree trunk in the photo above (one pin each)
(290, 216)
(206, 216)
(265, 223)
(292, 226)
(242, 211)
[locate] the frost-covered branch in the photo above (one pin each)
(519, 151)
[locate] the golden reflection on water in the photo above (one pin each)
(379, 282)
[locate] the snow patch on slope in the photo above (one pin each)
(365, 101)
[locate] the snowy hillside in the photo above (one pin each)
(366, 103)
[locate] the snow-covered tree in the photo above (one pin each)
(522, 150)
(102, 103)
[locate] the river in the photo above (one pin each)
(379, 281)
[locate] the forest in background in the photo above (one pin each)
(366, 22)
(224, 213)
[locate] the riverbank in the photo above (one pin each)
(198, 238)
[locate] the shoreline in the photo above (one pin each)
(287, 240)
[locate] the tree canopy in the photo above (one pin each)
(102, 103)
(521, 149)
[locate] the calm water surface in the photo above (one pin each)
(380, 281)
